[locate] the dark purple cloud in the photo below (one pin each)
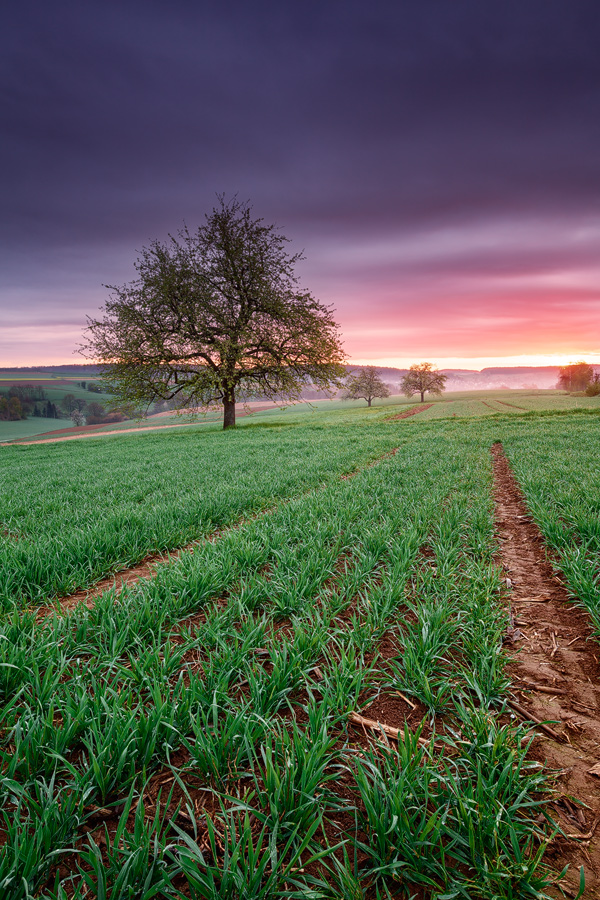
(428, 155)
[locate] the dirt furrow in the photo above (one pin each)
(89, 431)
(146, 568)
(555, 674)
(410, 412)
(513, 405)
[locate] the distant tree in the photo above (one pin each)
(95, 413)
(3, 407)
(423, 378)
(15, 410)
(575, 377)
(77, 417)
(95, 409)
(27, 394)
(593, 388)
(365, 385)
(36, 411)
(215, 317)
(19, 390)
(68, 403)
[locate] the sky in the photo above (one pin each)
(438, 162)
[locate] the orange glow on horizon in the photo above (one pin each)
(481, 362)
(403, 362)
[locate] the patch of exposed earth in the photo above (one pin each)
(410, 412)
(555, 679)
(89, 431)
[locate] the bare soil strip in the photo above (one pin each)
(146, 568)
(555, 649)
(514, 405)
(411, 412)
(77, 434)
(92, 434)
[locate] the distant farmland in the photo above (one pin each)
(451, 405)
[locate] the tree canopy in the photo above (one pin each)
(593, 388)
(216, 316)
(576, 376)
(423, 378)
(365, 385)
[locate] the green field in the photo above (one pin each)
(27, 428)
(193, 737)
(450, 405)
(105, 505)
(55, 391)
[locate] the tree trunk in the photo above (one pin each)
(422, 396)
(369, 401)
(229, 410)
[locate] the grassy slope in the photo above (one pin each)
(450, 405)
(403, 551)
(24, 428)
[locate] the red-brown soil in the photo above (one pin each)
(411, 412)
(555, 672)
(146, 568)
(75, 429)
(514, 405)
(82, 431)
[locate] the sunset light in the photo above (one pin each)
(300, 450)
(445, 194)
(482, 362)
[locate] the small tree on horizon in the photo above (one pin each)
(365, 385)
(575, 377)
(593, 388)
(423, 378)
(214, 317)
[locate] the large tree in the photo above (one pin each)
(575, 377)
(365, 385)
(423, 378)
(215, 317)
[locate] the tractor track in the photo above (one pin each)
(413, 411)
(555, 673)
